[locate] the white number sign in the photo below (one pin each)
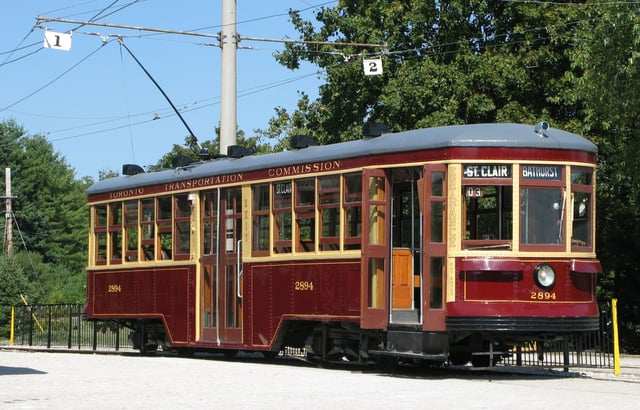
(372, 66)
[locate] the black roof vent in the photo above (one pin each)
(374, 129)
(237, 151)
(132, 169)
(180, 161)
(302, 141)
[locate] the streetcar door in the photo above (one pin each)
(406, 249)
(374, 301)
(434, 244)
(221, 297)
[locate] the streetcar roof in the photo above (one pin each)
(475, 135)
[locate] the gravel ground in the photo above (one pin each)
(52, 380)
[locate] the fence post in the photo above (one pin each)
(49, 328)
(31, 319)
(70, 326)
(117, 337)
(79, 327)
(95, 337)
(12, 325)
(616, 347)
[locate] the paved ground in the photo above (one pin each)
(48, 380)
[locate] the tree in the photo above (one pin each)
(50, 215)
(445, 63)
(605, 76)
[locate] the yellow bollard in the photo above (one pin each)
(616, 348)
(13, 317)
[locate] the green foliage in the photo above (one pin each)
(49, 223)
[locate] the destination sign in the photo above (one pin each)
(487, 171)
(546, 173)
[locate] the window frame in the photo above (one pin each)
(547, 184)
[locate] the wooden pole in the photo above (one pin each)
(8, 212)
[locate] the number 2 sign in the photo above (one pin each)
(372, 66)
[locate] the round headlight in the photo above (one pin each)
(545, 276)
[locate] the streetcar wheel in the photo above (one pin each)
(459, 358)
(483, 360)
(387, 364)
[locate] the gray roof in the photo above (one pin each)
(477, 135)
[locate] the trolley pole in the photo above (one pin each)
(229, 45)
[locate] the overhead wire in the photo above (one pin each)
(198, 106)
(418, 51)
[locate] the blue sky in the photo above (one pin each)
(99, 113)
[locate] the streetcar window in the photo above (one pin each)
(100, 229)
(147, 226)
(329, 205)
(210, 222)
(489, 215)
(260, 219)
(131, 230)
(436, 289)
(305, 214)
(164, 228)
(542, 214)
(375, 276)
(115, 231)
(377, 210)
(582, 190)
(232, 202)
(182, 226)
(282, 216)
(438, 200)
(101, 241)
(581, 176)
(353, 210)
(101, 216)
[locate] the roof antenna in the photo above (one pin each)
(159, 88)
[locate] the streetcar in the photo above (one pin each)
(448, 244)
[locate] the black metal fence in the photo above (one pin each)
(594, 349)
(63, 325)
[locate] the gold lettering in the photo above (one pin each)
(304, 169)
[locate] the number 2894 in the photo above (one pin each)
(303, 285)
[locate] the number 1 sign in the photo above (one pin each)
(60, 41)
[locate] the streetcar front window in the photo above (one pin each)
(582, 206)
(542, 216)
(489, 216)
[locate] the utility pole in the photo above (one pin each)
(8, 212)
(228, 104)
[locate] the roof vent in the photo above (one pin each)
(374, 129)
(237, 151)
(302, 141)
(132, 169)
(180, 161)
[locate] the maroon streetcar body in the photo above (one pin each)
(428, 244)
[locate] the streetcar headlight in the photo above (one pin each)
(544, 276)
